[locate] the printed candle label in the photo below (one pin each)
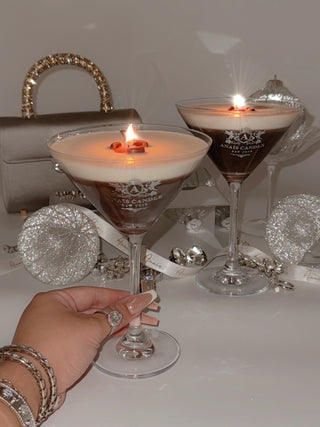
(244, 142)
(135, 195)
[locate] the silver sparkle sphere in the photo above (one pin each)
(294, 227)
(59, 244)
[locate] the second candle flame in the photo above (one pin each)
(238, 102)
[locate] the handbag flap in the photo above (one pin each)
(26, 139)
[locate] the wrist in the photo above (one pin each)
(7, 416)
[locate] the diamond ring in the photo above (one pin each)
(113, 317)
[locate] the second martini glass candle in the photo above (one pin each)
(131, 178)
(243, 133)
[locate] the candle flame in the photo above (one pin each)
(130, 134)
(238, 102)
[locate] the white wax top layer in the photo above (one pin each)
(218, 116)
(89, 156)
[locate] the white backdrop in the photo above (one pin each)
(154, 53)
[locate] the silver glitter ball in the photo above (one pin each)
(59, 244)
(294, 227)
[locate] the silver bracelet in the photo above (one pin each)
(54, 399)
(13, 399)
(8, 355)
(49, 401)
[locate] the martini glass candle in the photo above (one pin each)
(131, 176)
(243, 133)
(297, 139)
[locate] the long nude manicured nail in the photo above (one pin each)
(149, 320)
(136, 303)
(153, 306)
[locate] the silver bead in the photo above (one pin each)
(177, 256)
(196, 256)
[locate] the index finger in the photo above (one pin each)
(87, 298)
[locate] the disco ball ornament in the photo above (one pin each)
(59, 244)
(274, 91)
(294, 227)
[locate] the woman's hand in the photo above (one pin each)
(66, 327)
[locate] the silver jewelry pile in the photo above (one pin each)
(193, 256)
(110, 268)
(117, 267)
(59, 244)
(10, 249)
(294, 227)
(69, 195)
(149, 278)
(270, 268)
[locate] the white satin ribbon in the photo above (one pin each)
(292, 271)
(302, 274)
(157, 262)
(108, 233)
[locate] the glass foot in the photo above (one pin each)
(249, 282)
(166, 352)
(136, 344)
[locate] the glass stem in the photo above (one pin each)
(232, 266)
(135, 344)
(271, 172)
(135, 245)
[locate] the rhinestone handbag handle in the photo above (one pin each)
(54, 60)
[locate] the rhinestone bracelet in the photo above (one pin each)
(12, 398)
(8, 355)
(54, 400)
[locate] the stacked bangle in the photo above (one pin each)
(10, 395)
(54, 400)
(49, 399)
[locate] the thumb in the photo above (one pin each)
(119, 314)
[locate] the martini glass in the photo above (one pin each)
(131, 177)
(299, 138)
(243, 133)
(286, 149)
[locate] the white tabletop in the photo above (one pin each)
(249, 361)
